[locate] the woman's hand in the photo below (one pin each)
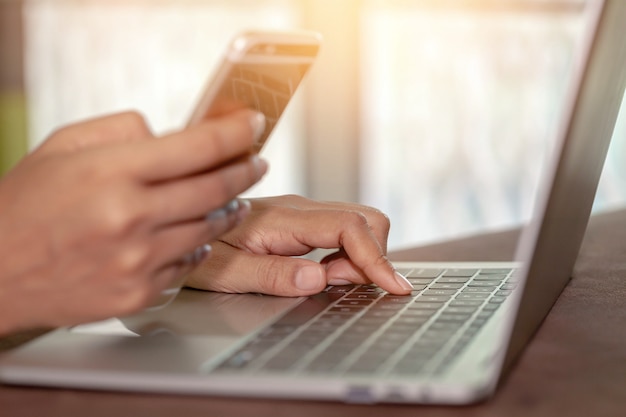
(103, 216)
(258, 255)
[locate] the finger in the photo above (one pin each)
(193, 197)
(347, 230)
(166, 284)
(200, 148)
(116, 128)
(235, 271)
(378, 221)
(179, 242)
(340, 270)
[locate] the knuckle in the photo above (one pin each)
(268, 277)
(210, 139)
(279, 212)
(380, 220)
(381, 260)
(133, 259)
(355, 219)
(135, 121)
(120, 217)
(377, 263)
(295, 200)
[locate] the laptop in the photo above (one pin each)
(450, 342)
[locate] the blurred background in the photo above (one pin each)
(441, 113)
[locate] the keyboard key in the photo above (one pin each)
(414, 312)
(424, 273)
(420, 281)
(459, 272)
(491, 306)
(368, 290)
(333, 317)
(399, 299)
(412, 320)
(491, 271)
(438, 292)
(431, 299)
(341, 289)
(473, 296)
(460, 303)
(425, 305)
(405, 271)
(393, 306)
(453, 317)
(346, 309)
(461, 309)
(458, 280)
(446, 325)
(483, 284)
(495, 277)
(445, 286)
(382, 314)
(362, 296)
(478, 289)
(358, 303)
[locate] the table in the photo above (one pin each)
(575, 365)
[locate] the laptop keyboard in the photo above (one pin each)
(362, 329)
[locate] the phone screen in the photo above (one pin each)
(262, 77)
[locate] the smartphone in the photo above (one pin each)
(262, 71)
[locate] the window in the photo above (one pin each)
(87, 58)
(440, 113)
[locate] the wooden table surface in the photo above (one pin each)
(575, 366)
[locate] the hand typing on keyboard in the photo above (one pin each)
(260, 254)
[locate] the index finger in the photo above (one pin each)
(200, 148)
(361, 245)
(376, 219)
(337, 229)
(121, 127)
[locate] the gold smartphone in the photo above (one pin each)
(260, 70)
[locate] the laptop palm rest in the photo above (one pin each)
(197, 327)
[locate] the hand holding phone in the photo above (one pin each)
(261, 71)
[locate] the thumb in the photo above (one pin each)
(235, 271)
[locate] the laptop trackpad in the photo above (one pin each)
(196, 327)
(202, 313)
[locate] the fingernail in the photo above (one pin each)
(244, 209)
(216, 214)
(310, 278)
(257, 122)
(198, 255)
(201, 253)
(260, 165)
(233, 206)
(339, 281)
(403, 282)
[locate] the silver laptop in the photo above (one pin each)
(450, 342)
